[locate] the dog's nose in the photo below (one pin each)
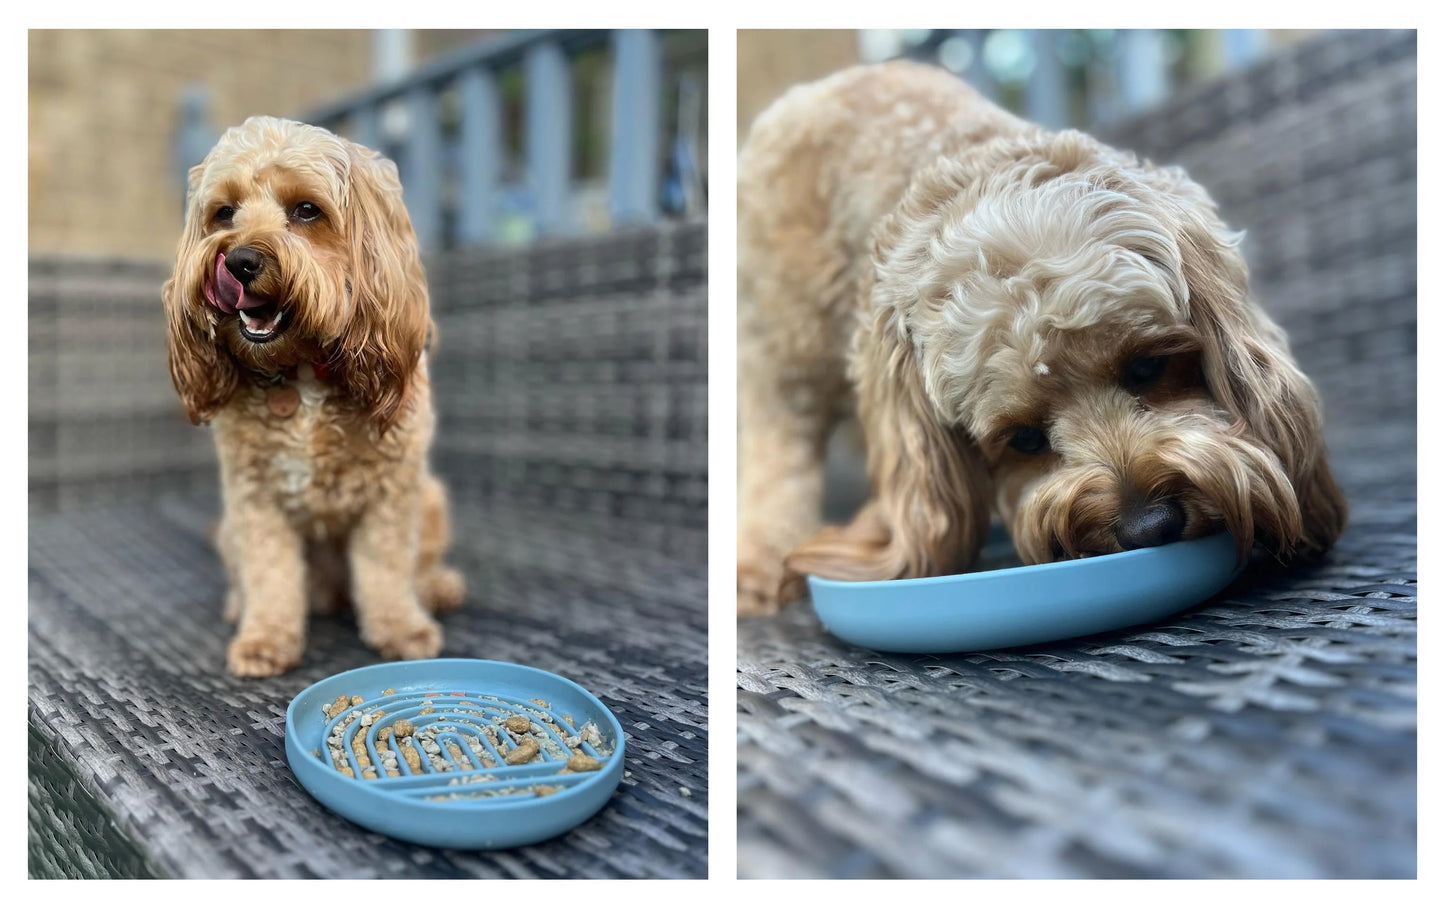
(1150, 523)
(245, 263)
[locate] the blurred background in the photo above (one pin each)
(558, 183)
(1305, 140)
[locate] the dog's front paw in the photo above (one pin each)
(262, 656)
(757, 590)
(416, 639)
(234, 607)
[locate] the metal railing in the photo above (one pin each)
(1071, 77)
(475, 172)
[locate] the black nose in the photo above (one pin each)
(245, 263)
(1151, 523)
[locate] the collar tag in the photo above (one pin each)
(283, 400)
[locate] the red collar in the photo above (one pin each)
(322, 370)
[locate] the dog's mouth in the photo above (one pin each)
(263, 322)
(261, 319)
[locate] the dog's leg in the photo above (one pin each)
(441, 588)
(235, 604)
(383, 555)
(782, 434)
(267, 559)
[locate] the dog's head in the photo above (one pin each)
(1068, 336)
(296, 248)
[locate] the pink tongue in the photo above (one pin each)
(227, 293)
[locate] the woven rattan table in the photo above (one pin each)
(570, 385)
(1269, 732)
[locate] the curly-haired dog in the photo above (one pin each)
(297, 319)
(1027, 319)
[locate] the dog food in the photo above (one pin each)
(520, 738)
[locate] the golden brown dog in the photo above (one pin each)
(1028, 320)
(297, 319)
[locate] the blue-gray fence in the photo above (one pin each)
(446, 125)
(1075, 77)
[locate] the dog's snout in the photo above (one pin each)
(1149, 524)
(245, 263)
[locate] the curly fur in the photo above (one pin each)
(959, 274)
(335, 498)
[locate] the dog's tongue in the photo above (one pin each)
(227, 293)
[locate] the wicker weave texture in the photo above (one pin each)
(571, 386)
(1267, 733)
(141, 732)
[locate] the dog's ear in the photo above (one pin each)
(386, 330)
(930, 506)
(205, 376)
(1250, 372)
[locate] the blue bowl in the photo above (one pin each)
(1025, 605)
(482, 804)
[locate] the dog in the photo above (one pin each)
(297, 321)
(1026, 321)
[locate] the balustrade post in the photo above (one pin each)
(549, 136)
(633, 165)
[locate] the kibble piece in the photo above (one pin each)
(524, 751)
(388, 692)
(357, 699)
(412, 758)
(544, 790)
(517, 724)
(583, 763)
(403, 728)
(339, 705)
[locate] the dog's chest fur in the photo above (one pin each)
(321, 465)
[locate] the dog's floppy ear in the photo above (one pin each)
(930, 506)
(386, 330)
(1250, 372)
(205, 376)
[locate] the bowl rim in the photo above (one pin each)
(1093, 563)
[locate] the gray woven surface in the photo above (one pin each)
(1270, 732)
(581, 540)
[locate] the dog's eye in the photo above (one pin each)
(223, 214)
(1029, 440)
(1144, 371)
(306, 211)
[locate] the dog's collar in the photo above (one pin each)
(282, 398)
(319, 369)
